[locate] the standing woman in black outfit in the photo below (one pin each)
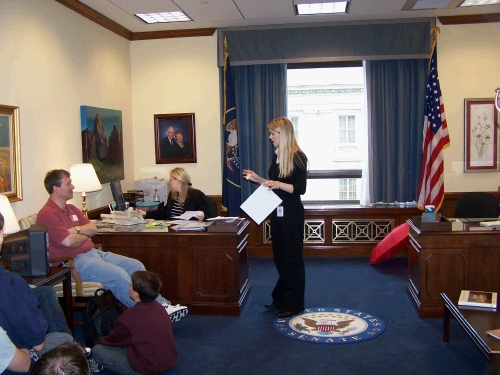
(287, 178)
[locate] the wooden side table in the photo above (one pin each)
(475, 323)
(55, 276)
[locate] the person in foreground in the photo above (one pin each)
(26, 325)
(287, 178)
(68, 358)
(12, 358)
(70, 234)
(182, 198)
(143, 340)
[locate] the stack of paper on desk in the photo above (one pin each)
(188, 215)
(190, 225)
(492, 224)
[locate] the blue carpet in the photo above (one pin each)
(248, 345)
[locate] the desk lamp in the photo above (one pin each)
(10, 222)
(85, 180)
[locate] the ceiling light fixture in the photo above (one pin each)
(164, 17)
(322, 8)
(473, 3)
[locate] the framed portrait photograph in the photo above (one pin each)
(481, 138)
(10, 153)
(175, 140)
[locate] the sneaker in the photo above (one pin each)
(94, 366)
(176, 313)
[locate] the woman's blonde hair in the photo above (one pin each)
(288, 145)
(183, 177)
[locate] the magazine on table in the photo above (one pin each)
(478, 299)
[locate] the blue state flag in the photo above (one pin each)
(231, 183)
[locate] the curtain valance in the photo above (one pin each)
(394, 39)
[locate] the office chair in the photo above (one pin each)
(477, 205)
(212, 209)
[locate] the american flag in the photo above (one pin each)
(436, 139)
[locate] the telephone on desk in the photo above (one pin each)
(121, 218)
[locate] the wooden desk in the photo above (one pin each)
(467, 257)
(55, 276)
(475, 322)
(208, 272)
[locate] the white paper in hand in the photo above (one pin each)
(260, 204)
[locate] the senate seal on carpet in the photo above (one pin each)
(324, 325)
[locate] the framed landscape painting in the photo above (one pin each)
(102, 142)
(10, 153)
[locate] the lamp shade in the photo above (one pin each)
(10, 222)
(84, 178)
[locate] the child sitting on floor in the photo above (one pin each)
(142, 341)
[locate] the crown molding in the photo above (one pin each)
(96, 17)
(111, 25)
(471, 18)
(173, 34)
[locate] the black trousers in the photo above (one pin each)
(287, 239)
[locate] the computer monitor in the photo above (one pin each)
(116, 190)
(26, 251)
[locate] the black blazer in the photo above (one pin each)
(195, 201)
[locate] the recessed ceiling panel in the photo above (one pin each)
(146, 6)
(432, 4)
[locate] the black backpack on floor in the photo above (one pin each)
(100, 316)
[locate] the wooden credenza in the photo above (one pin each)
(208, 272)
(467, 257)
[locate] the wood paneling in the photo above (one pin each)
(447, 262)
(208, 272)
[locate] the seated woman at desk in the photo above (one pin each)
(182, 198)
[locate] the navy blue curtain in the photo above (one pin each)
(396, 98)
(260, 92)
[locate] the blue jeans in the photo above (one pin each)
(113, 271)
(113, 358)
(54, 339)
(48, 304)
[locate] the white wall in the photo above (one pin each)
(468, 67)
(53, 60)
(177, 75)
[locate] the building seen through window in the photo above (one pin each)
(327, 109)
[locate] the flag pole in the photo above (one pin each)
(435, 31)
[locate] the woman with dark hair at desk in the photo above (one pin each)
(182, 198)
(287, 178)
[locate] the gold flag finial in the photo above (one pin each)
(435, 31)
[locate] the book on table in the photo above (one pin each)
(478, 299)
(494, 333)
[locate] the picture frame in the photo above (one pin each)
(102, 142)
(175, 138)
(481, 135)
(10, 153)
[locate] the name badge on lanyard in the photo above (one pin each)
(280, 211)
(74, 217)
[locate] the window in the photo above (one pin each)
(347, 189)
(327, 108)
(347, 129)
